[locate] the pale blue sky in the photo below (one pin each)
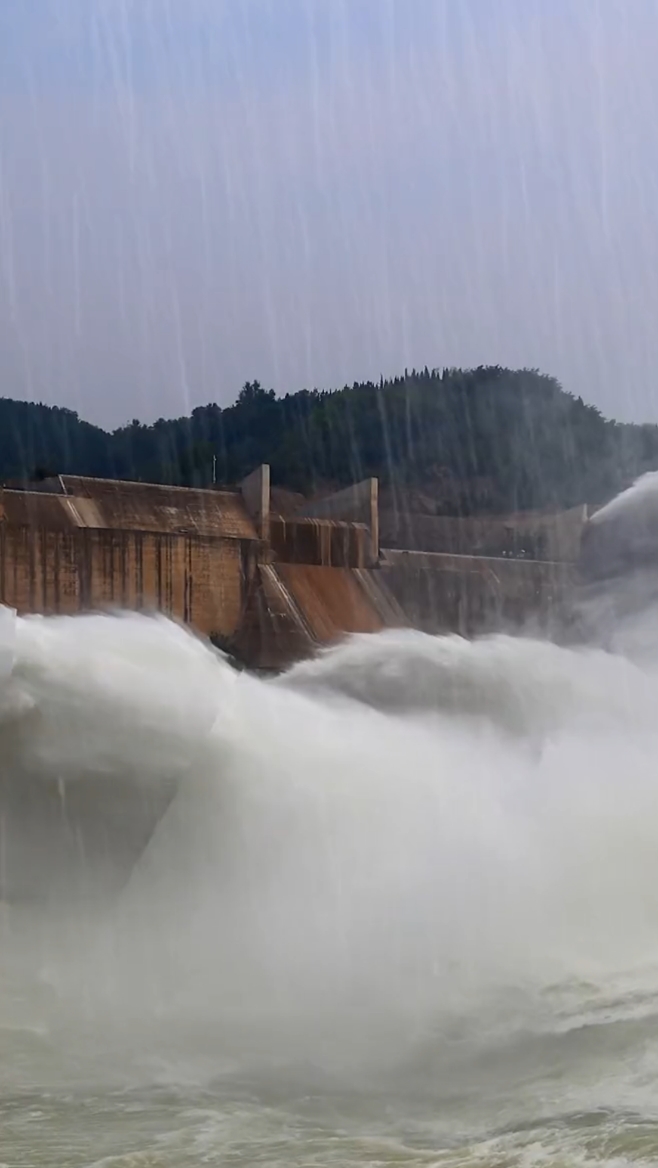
(198, 192)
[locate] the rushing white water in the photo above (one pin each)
(397, 906)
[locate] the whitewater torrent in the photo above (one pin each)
(399, 905)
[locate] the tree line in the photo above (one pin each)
(478, 440)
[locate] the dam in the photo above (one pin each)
(412, 868)
(270, 581)
(271, 578)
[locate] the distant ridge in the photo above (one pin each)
(451, 441)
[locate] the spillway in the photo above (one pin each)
(396, 905)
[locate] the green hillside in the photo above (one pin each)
(486, 439)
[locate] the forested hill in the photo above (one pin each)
(487, 439)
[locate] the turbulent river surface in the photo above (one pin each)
(400, 906)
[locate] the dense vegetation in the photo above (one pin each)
(487, 439)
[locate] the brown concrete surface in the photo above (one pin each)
(31, 509)
(325, 542)
(113, 503)
(358, 503)
(272, 632)
(330, 600)
(294, 609)
(196, 580)
(472, 595)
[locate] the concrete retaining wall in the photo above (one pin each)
(324, 542)
(356, 504)
(552, 537)
(200, 581)
(474, 595)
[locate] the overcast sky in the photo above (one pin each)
(194, 193)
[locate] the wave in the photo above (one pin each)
(521, 685)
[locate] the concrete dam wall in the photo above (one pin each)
(271, 588)
(267, 590)
(475, 595)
